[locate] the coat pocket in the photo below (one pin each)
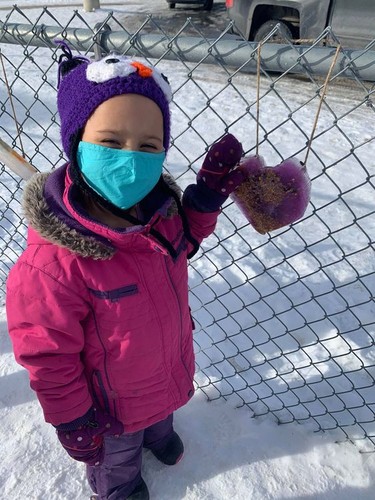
(99, 392)
(116, 294)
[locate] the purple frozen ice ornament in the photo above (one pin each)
(272, 197)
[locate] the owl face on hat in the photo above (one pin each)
(120, 66)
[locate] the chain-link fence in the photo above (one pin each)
(284, 321)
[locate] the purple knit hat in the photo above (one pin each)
(84, 85)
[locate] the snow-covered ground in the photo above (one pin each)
(229, 454)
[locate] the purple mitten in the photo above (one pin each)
(217, 170)
(218, 176)
(83, 438)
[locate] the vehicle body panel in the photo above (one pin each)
(352, 22)
(196, 2)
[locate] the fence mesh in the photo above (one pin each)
(284, 321)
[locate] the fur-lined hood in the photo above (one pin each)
(46, 213)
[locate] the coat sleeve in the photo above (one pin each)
(45, 325)
(201, 224)
(201, 219)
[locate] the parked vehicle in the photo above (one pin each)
(353, 22)
(207, 4)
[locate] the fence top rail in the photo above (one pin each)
(278, 58)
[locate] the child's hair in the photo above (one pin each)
(84, 85)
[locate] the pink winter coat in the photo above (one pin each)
(101, 316)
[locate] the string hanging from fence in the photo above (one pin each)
(322, 97)
(258, 98)
(12, 104)
(324, 91)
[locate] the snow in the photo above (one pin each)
(229, 453)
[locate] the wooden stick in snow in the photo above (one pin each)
(15, 161)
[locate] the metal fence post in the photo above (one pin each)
(91, 5)
(98, 48)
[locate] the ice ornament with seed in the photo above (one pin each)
(272, 197)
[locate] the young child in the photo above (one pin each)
(97, 304)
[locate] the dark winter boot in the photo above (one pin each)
(140, 492)
(172, 452)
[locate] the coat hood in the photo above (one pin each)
(47, 214)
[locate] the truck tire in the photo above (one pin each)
(285, 31)
(208, 4)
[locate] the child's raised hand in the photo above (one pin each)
(86, 443)
(218, 170)
(218, 177)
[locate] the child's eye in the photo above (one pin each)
(111, 143)
(149, 146)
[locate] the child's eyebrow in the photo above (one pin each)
(145, 137)
(114, 131)
(107, 131)
(154, 137)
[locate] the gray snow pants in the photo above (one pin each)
(120, 471)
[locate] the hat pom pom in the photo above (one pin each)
(67, 62)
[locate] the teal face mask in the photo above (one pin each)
(122, 177)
